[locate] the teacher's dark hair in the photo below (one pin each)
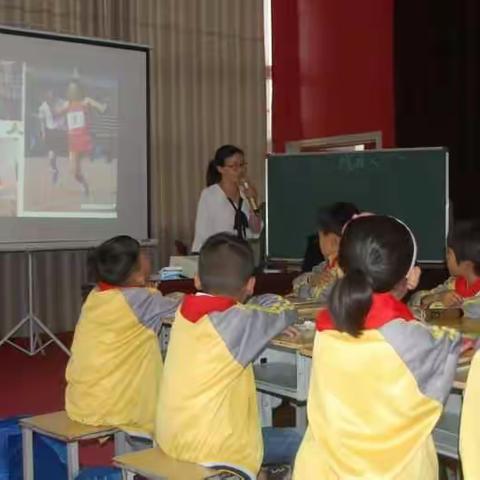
(222, 153)
(115, 260)
(375, 255)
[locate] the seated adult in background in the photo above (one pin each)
(317, 284)
(224, 205)
(116, 365)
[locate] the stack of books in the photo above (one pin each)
(171, 273)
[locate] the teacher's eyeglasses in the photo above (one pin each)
(236, 166)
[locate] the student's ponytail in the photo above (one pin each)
(376, 253)
(213, 175)
(350, 301)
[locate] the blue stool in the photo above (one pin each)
(100, 473)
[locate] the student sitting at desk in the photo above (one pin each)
(379, 378)
(116, 365)
(462, 289)
(207, 410)
(469, 431)
(318, 283)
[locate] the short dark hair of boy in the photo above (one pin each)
(464, 240)
(114, 260)
(225, 264)
(333, 218)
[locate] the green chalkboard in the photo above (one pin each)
(411, 184)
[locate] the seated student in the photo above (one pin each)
(318, 283)
(379, 378)
(116, 364)
(469, 426)
(462, 289)
(207, 409)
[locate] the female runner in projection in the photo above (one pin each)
(80, 143)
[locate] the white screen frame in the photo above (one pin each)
(98, 229)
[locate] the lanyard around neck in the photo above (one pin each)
(241, 221)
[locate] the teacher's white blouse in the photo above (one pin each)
(216, 214)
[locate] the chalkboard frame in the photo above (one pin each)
(296, 260)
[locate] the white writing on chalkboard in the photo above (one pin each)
(353, 163)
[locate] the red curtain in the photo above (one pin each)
(332, 69)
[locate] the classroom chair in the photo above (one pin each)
(57, 425)
(154, 464)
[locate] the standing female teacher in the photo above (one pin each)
(226, 205)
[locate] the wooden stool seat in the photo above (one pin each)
(59, 426)
(157, 465)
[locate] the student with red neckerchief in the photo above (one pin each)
(116, 365)
(207, 406)
(379, 378)
(318, 283)
(462, 289)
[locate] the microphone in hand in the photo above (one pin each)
(250, 195)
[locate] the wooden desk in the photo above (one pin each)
(170, 286)
(279, 283)
(306, 309)
(307, 351)
(466, 326)
(280, 371)
(303, 341)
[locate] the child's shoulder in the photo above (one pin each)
(414, 339)
(140, 291)
(145, 298)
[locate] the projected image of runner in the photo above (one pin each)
(74, 138)
(71, 125)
